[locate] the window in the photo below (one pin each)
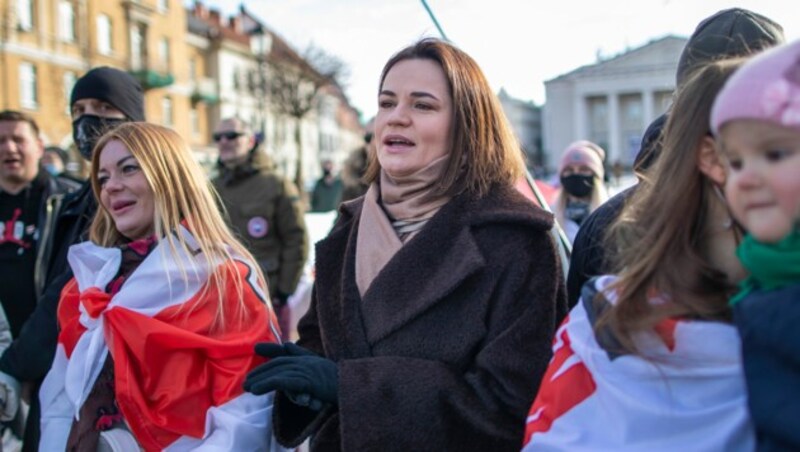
(25, 15)
(27, 85)
(68, 80)
(166, 111)
(252, 82)
(236, 79)
(104, 34)
(163, 5)
(138, 46)
(66, 21)
(325, 143)
(163, 54)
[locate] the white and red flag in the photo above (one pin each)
(686, 394)
(178, 376)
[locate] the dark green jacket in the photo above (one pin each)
(326, 195)
(266, 214)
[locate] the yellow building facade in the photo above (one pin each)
(45, 45)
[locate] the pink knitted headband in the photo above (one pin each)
(585, 153)
(766, 88)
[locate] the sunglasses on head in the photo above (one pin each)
(232, 135)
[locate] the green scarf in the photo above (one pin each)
(771, 266)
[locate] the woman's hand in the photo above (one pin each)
(308, 379)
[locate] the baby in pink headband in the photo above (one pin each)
(756, 120)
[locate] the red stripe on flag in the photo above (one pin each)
(560, 394)
(172, 368)
(666, 331)
(69, 316)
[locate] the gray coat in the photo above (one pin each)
(447, 347)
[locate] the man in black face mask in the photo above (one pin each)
(102, 99)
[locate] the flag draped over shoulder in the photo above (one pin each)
(688, 394)
(178, 374)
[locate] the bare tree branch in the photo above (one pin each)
(327, 64)
(294, 83)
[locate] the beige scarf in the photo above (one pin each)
(393, 212)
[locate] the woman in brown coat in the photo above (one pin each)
(437, 293)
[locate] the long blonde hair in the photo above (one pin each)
(182, 194)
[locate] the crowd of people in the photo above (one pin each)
(146, 308)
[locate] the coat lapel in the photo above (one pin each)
(428, 268)
(423, 273)
(337, 297)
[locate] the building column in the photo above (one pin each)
(613, 128)
(647, 105)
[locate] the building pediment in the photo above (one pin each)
(657, 55)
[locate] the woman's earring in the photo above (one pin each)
(729, 222)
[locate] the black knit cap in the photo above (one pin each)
(114, 86)
(728, 33)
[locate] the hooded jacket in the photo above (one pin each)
(266, 214)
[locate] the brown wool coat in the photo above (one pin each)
(447, 347)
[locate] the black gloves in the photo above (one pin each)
(309, 380)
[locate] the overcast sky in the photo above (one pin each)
(518, 43)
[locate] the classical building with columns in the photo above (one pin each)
(612, 101)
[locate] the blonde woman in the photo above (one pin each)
(158, 325)
(582, 190)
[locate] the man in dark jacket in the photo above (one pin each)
(327, 192)
(103, 98)
(264, 210)
(24, 190)
(728, 33)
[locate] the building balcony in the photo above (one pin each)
(204, 90)
(151, 77)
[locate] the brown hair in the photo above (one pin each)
(18, 116)
(481, 134)
(660, 229)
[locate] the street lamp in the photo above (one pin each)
(260, 45)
